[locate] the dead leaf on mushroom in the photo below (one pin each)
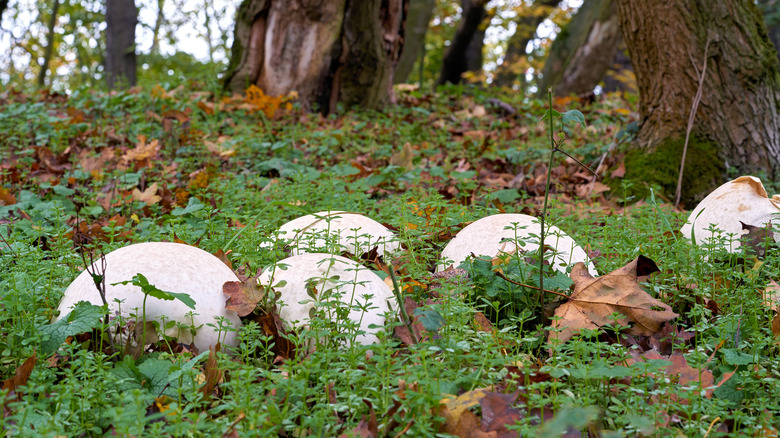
(243, 296)
(595, 300)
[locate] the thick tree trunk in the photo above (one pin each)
(584, 50)
(121, 18)
(738, 123)
(460, 55)
(49, 44)
(328, 51)
(525, 31)
(417, 20)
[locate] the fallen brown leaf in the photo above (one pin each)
(595, 300)
(148, 196)
(212, 372)
(366, 428)
(497, 413)
(22, 375)
(243, 296)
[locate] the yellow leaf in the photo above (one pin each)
(457, 405)
(148, 196)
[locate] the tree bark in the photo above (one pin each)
(525, 31)
(328, 51)
(49, 44)
(121, 18)
(158, 22)
(771, 10)
(737, 124)
(459, 57)
(583, 51)
(418, 18)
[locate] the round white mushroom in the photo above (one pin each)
(743, 200)
(493, 235)
(337, 231)
(318, 283)
(171, 267)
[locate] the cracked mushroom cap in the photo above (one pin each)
(332, 277)
(496, 234)
(741, 200)
(171, 267)
(338, 231)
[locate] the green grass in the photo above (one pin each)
(298, 163)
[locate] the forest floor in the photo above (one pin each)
(89, 173)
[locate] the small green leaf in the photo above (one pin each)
(82, 319)
(574, 116)
(561, 281)
(735, 357)
(430, 319)
(193, 205)
(546, 115)
(149, 289)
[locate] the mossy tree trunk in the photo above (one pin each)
(417, 20)
(328, 51)
(738, 119)
(584, 50)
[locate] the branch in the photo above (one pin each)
(501, 274)
(694, 107)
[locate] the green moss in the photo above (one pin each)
(660, 168)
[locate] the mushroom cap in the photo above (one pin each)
(171, 267)
(496, 234)
(741, 200)
(336, 277)
(338, 231)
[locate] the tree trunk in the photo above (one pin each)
(525, 30)
(420, 13)
(583, 51)
(49, 44)
(771, 10)
(737, 124)
(328, 51)
(461, 52)
(121, 18)
(158, 22)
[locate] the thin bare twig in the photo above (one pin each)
(595, 175)
(691, 117)
(501, 274)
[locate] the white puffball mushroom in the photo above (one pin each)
(171, 267)
(741, 200)
(338, 231)
(493, 235)
(333, 276)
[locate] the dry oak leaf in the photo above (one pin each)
(148, 196)
(685, 374)
(595, 299)
(243, 296)
(142, 151)
(459, 420)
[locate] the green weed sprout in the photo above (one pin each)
(571, 116)
(149, 289)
